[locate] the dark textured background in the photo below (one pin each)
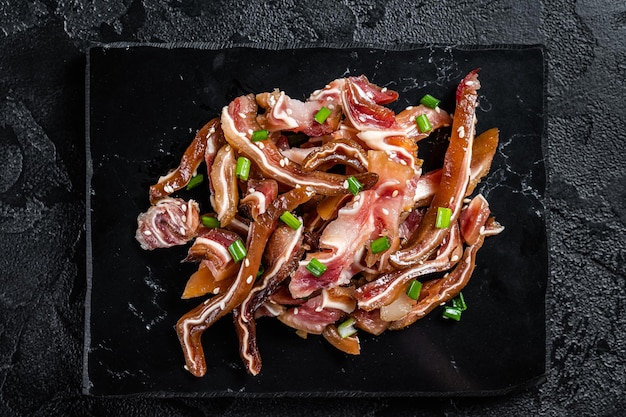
(42, 278)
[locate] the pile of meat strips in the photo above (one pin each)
(320, 214)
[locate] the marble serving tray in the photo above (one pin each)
(144, 105)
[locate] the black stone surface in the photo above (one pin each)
(145, 104)
(42, 187)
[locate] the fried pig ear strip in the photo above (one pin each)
(225, 197)
(438, 291)
(170, 222)
(192, 325)
(196, 152)
(282, 254)
(238, 124)
(483, 151)
(454, 179)
(388, 287)
(339, 151)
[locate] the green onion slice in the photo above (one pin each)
(195, 181)
(259, 135)
(414, 289)
(380, 245)
(459, 302)
(423, 124)
(353, 185)
(291, 220)
(347, 328)
(237, 250)
(316, 267)
(452, 313)
(443, 217)
(210, 222)
(430, 101)
(243, 168)
(260, 271)
(322, 114)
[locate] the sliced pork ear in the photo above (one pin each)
(224, 181)
(239, 122)
(192, 325)
(211, 247)
(281, 256)
(283, 113)
(363, 107)
(195, 153)
(454, 179)
(170, 222)
(259, 196)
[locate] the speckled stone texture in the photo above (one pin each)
(42, 278)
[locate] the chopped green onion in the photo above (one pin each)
(243, 168)
(430, 101)
(347, 328)
(443, 217)
(380, 245)
(210, 222)
(414, 289)
(322, 114)
(260, 271)
(452, 313)
(237, 250)
(459, 302)
(353, 185)
(316, 267)
(291, 220)
(195, 181)
(259, 135)
(423, 124)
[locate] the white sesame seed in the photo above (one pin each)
(184, 218)
(385, 211)
(395, 193)
(383, 90)
(282, 162)
(249, 280)
(409, 108)
(247, 262)
(261, 146)
(345, 184)
(182, 230)
(216, 290)
(147, 232)
(461, 131)
(295, 311)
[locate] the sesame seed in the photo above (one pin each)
(184, 218)
(261, 146)
(461, 131)
(295, 311)
(383, 90)
(409, 108)
(282, 162)
(249, 280)
(247, 262)
(182, 230)
(216, 290)
(385, 211)
(147, 232)
(395, 193)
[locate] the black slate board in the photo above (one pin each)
(145, 104)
